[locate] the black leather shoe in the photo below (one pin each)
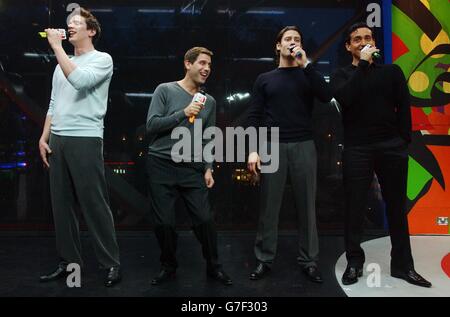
(260, 271)
(113, 276)
(59, 273)
(351, 275)
(220, 276)
(163, 276)
(313, 274)
(412, 277)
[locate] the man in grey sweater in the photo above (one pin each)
(186, 175)
(71, 146)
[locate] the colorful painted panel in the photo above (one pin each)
(421, 47)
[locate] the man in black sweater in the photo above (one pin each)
(377, 130)
(284, 98)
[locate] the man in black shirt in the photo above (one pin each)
(284, 98)
(377, 130)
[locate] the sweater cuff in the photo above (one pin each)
(309, 70)
(179, 116)
(363, 63)
(309, 67)
(308, 62)
(208, 165)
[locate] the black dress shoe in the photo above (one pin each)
(351, 275)
(220, 276)
(59, 273)
(412, 277)
(163, 276)
(313, 274)
(260, 271)
(113, 276)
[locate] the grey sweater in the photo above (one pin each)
(166, 112)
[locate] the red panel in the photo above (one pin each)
(398, 47)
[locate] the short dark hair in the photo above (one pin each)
(280, 36)
(91, 22)
(193, 53)
(354, 27)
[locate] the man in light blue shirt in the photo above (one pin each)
(71, 146)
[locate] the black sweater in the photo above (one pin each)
(284, 98)
(375, 102)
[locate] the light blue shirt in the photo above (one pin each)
(79, 102)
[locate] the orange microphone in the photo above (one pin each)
(198, 97)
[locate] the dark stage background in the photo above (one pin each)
(147, 40)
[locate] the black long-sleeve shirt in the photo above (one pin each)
(284, 98)
(375, 102)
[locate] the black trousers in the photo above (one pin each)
(389, 160)
(169, 181)
(77, 173)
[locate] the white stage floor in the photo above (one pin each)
(428, 252)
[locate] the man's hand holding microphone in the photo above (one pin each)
(369, 52)
(197, 104)
(54, 36)
(299, 55)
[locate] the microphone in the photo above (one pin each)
(198, 97)
(298, 54)
(374, 54)
(62, 32)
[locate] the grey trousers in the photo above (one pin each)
(299, 161)
(77, 173)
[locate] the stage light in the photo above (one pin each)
(238, 96)
(156, 10)
(138, 95)
(266, 12)
(102, 10)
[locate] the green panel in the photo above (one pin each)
(417, 178)
(408, 31)
(441, 9)
(427, 110)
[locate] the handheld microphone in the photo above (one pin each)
(198, 97)
(374, 54)
(62, 32)
(298, 54)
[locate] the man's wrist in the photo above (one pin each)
(306, 64)
(57, 47)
